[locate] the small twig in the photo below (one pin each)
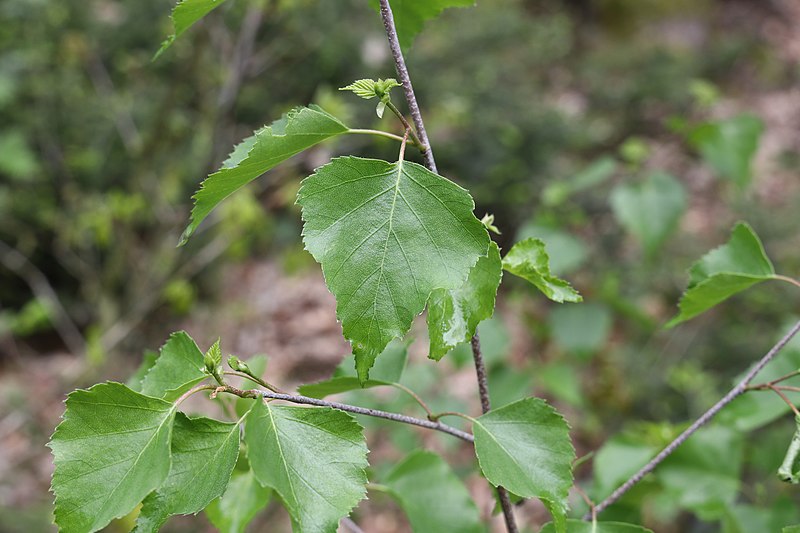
(414, 139)
(775, 389)
(376, 132)
(256, 379)
(589, 502)
(195, 390)
(736, 391)
(417, 399)
(451, 413)
(305, 400)
(348, 523)
(787, 279)
(405, 81)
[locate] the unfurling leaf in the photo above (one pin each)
(387, 235)
(528, 259)
(789, 471)
(454, 314)
(367, 89)
(185, 14)
(314, 459)
(298, 130)
(733, 267)
(525, 447)
(432, 496)
(178, 368)
(204, 452)
(110, 451)
(242, 501)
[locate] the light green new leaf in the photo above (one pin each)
(791, 529)
(242, 501)
(581, 526)
(729, 146)
(110, 451)
(387, 235)
(185, 14)
(528, 259)
(453, 315)
(314, 458)
(204, 452)
(650, 210)
(432, 496)
(387, 370)
(410, 16)
(296, 131)
(178, 368)
(733, 267)
(526, 448)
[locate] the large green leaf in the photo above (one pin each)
(432, 496)
(454, 314)
(410, 16)
(733, 267)
(204, 452)
(296, 131)
(242, 501)
(110, 451)
(314, 458)
(178, 368)
(651, 209)
(525, 447)
(729, 146)
(387, 370)
(184, 15)
(387, 235)
(528, 259)
(580, 526)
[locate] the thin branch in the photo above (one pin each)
(305, 400)
(405, 81)
(256, 379)
(376, 132)
(736, 391)
(348, 523)
(414, 139)
(416, 398)
(787, 279)
(775, 389)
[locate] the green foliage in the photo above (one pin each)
(650, 210)
(314, 459)
(729, 269)
(110, 451)
(204, 452)
(580, 526)
(729, 146)
(242, 501)
(410, 16)
(185, 14)
(432, 495)
(580, 328)
(453, 315)
(387, 235)
(296, 131)
(367, 89)
(178, 368)
(525, 447)
(528, 259)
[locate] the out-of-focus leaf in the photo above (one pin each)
(387, 235)
(453, 315)
(729, 269)
(184, 15)
(650, 210)
(528, 259)
(581, 526)
(568, 252)
(410, 16)
(242, 501)
(432, 496)
(594, 174)
(580, 328)
(729, 146)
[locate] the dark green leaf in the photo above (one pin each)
(110, 451)
(528, 259)
(432, 496)
(729, 146)
(242, 501)
(581, 526)
(204, 452)
(410, 16)
(733, 267)
(387, 235)
(185, 14)
(314, 458)
(179, 367)
(296, 131)
(148, 361)
(651, 209)
(526, 448)
(454, 314)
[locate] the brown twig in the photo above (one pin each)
(736, 391)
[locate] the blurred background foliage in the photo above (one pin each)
(629, 135)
